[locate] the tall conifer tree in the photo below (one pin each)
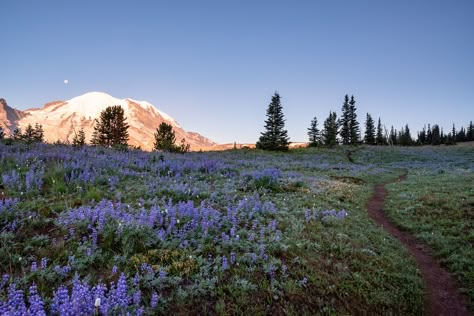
(79, 138)
(470, 132)
(314, 134)
(111, 129)
(275, 136)
(435, 135)
(369, 137)
(380, 139)
(38, 134)
(353, 124)
(329, 134)
(344, 122)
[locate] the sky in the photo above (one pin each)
(214, 65)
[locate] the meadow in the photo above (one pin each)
(91, 230)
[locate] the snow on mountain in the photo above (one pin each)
(62, 119)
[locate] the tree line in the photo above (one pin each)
(111, 130)
(346, 130)
(30, 135)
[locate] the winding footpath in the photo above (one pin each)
(442, 295)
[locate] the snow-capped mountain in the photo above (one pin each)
(62, 119)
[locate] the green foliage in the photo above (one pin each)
(438, 208)
(470, 132)
(435, 135)
(111, 128)
(79, 138)
(353, 124)
(350, 132)
(275, 136)
(369, 137)
(314, 134)
(380, 138)
(165, 140)
(344, 122)
(404, 137)
(330, 130)
(16, 135)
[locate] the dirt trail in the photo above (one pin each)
(442, 296)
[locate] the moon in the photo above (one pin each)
(66, 81)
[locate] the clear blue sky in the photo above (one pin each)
(214, 65)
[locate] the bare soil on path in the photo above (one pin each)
(442, 296)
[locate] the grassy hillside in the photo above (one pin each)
(234, 232)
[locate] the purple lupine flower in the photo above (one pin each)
(225, 264)
(271, 271)
(253, 256)
(35, 302)
(34, 266)
(16, 301)
(232, 258)
(121, 292)
(114, 269)
(163, 275)
(44, 263)
(94, 238)
(137, 297)
(4, 280)
(303, 282)
(154, 300)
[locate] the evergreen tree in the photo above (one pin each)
(329, 134)
(405, 136)
(422, 136)
(111, 129)
(452, 140)
(29, 133)
(470, 132)
(461, 135)
(183, 147)
(393, 136)
(314, 133)
(17, 135)
(353, 124)
(435, 135)
(380, 139)
(369, 137)
(38, 133)
(79, 138)
(165, 138)
(344, 122)
(429, 136)
(2, 133)
(275, 136)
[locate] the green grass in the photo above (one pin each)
(334, 267)
(439, 210)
